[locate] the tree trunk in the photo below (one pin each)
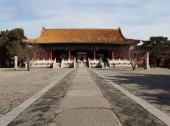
(134, 67)
(133, 64)
(28, 67)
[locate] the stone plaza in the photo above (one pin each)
(84, 97)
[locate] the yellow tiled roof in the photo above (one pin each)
(101, 36)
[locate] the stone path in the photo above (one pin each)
(84, 104)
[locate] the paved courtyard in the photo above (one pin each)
(81, 97)
(17, 86)
(152, 85)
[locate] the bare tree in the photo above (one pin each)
(28, 52)
(135, 55)
(25, 52)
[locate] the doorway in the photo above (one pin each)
(81, 57)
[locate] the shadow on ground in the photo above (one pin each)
(128, 111)
(155, 88)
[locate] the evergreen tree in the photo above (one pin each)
(159, 47)
(10, 42)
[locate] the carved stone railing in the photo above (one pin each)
(70, 63)
(96, 63)
(42, 63)
(118, 62)
(53, 64)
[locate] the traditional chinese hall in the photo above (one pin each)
(69, 47)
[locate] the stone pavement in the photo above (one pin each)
(73, 101)
(151, 85)
(18, 86)
(84, 104)
(80, 98)
(131, 109)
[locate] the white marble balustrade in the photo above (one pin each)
(70, 63)
(42, 63)
(95, 63)
(118, 62)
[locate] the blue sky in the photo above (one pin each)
(138, 19)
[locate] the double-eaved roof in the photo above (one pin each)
(89, 36)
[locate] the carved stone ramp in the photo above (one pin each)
(84, 104)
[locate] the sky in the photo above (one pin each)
(138, 19)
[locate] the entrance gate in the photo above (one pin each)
(81, 57)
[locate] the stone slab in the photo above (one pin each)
(83, 92)
(81, 87)
(84, 102)
(87, 117)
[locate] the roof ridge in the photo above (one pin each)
(80, 29)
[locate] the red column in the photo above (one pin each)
(68, 55)
(46, 55)
(118, 54)
(113, 55)
(50, 55)
(40, 57)
(128, 54)
(56, 56)
(94, 54)
(123, 57)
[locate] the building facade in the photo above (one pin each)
(82, 44)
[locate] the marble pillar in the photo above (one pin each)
(15, 62)
(147, 66)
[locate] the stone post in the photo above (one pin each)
(54, 63)
(74, 62)
(50, 55)
(147, 66)
(15, 62)
(62, 63)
